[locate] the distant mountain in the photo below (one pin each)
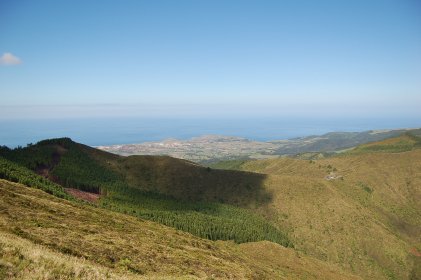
(213, 148)
(335, 141)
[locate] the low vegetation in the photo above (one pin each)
(404, 143)
(22, 259)
(59, 239)
(228, 164)
(368, 220)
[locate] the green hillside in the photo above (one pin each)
(44, 237)
(173, 192)
(16, 173)
(403, 143)
(228, 164)
(361, 211)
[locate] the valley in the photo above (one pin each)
(354, 215)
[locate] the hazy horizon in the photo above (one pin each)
(123, 130)
(114, 73)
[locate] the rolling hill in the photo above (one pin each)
(359, 211)
(174, 192)
(76, 165)
(404, 143)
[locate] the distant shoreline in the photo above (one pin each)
(116, 131)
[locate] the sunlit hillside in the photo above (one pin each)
(361, 211)
(43, 237)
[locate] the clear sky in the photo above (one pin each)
(192, 58)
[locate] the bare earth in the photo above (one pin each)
(87, 196)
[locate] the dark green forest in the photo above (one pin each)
(15, 173)
(69, 164)
(215, 221)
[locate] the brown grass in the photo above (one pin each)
(107, 244)
(366, 222)
(22, 259)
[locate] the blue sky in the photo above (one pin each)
(196, 58)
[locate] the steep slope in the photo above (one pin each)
(186, 180)
(174, 192)
(55, 238)
(76, 165)
(361, 211)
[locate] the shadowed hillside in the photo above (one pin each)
(174, 192)
(76, 165)
(186, 180)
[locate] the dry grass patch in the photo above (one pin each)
(366, 222)
(21, 259)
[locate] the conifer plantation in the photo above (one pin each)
(66, 164)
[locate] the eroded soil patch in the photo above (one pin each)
(87, 196)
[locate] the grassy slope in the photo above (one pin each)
(55, 238)
(403, 143)
(228, 164)
(368, 223)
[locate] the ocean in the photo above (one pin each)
(109, 131)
